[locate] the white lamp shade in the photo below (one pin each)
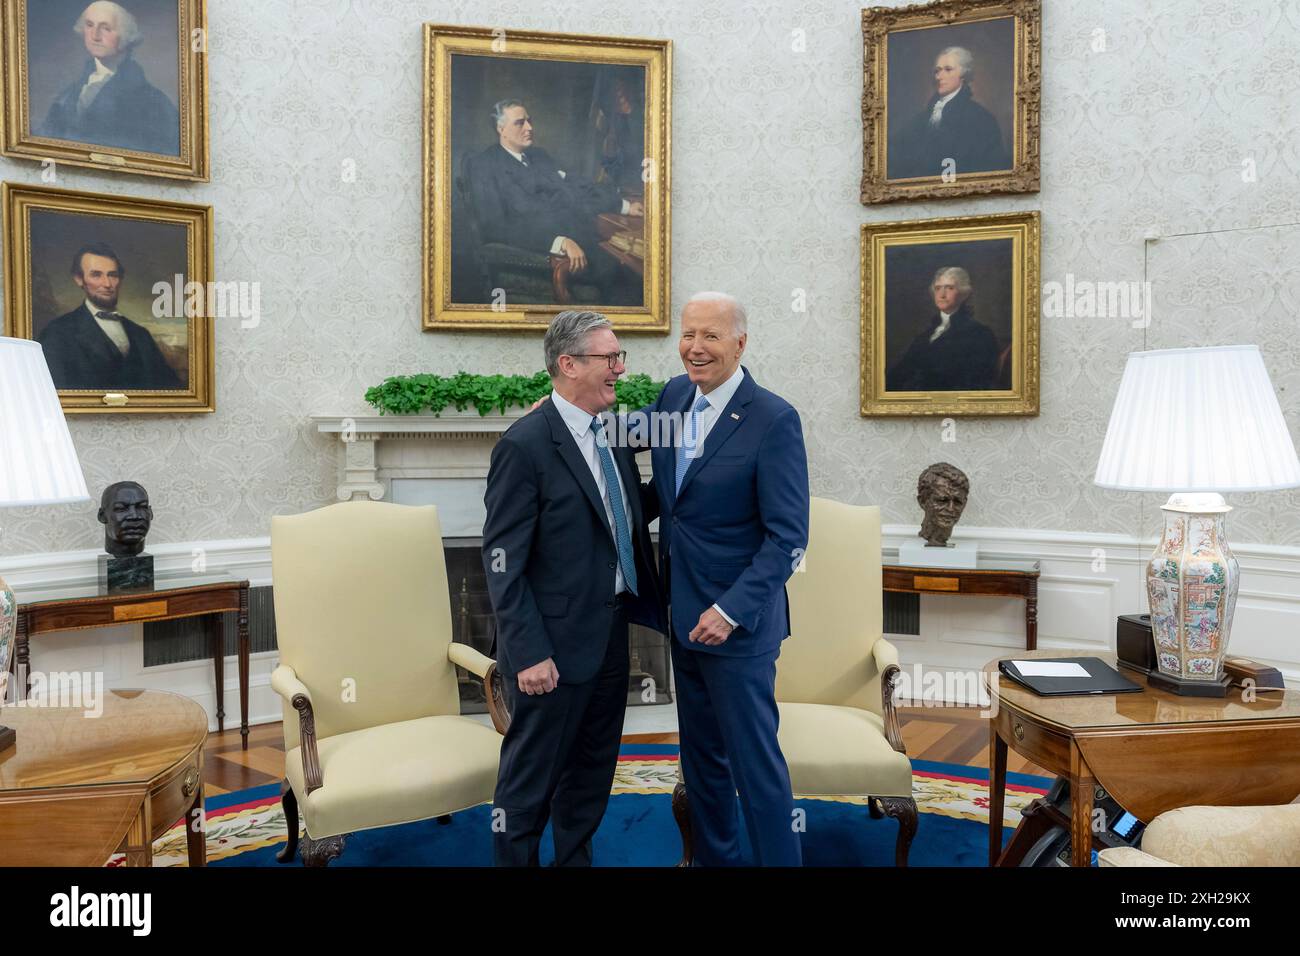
(1197, 420)
(38, 464)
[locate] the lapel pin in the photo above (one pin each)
(735, 416)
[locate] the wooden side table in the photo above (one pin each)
(75, 788)
(1151, 752)
(78, 605)
(992, 578)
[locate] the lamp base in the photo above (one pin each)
(7, 738)
(1190, 688)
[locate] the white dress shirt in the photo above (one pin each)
(112, 328)
(94, 84)
(937, 113)
(945, 321)
(579, 423)
(708, 417)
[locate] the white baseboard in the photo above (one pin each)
(1087, 581)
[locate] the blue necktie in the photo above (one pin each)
(686, 450)
(622, 534)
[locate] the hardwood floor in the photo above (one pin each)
(941, 734)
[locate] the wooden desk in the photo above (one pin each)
(81, 604)
(1152, 752)
(991, 578)
(74, 788)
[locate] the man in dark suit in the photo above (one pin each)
(523, 198)
(94, 346)
(111, 103)
(733, 525)
(951, 127)
(954, 352)
(569, 564)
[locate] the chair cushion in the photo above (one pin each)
(397, 773)
(1226, 836)
(834, 750)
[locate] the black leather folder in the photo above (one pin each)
(1101, 679)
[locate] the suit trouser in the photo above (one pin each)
(558, 761)
(727, 719)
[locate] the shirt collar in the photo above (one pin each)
(943, 100)
(720, 396)
(518, 156)
(579, 421)
(94, 310)
(101, 69)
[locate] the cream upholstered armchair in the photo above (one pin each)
(834, 679)
(372, 729)
(1216, 836)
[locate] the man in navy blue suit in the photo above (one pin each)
(569, 564)
(733, 509)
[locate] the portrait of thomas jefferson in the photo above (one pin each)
(105, 97)
(953, 132)
(954, 351)
(97, 347)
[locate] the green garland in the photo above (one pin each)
(413, 394)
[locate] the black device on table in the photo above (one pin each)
(1053, 847)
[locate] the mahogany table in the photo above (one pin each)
(1151, 752)
(82, 603)
(75, 787)
(991, 577)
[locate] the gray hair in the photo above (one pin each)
(739, 321)
(499, 110)
(126, 24)
(567, 335)
(965, 62)
(958, 273)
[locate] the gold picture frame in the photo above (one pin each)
(132, 130)
(602, 105)
(984, 138)
(161, 249)
(930, 347)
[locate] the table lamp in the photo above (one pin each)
(1196, 423)
(38, 465)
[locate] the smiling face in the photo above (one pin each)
(947, 74)
(100, 278)
(947, 297)
(589, 382)
(102, 32)
(709, 346)
(516, 129)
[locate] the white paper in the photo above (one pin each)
(1050, 669)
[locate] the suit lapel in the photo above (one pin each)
(729, 419)
(568, 449)
(94, 336)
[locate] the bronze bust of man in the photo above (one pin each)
(126, 516)
(941, 491)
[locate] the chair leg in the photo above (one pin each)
(902, 809)
(320, 852)
(873, 808)
(682, 814)
(289, 803)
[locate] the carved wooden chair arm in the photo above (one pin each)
(483, 667)
(285, 683)
(886, 656)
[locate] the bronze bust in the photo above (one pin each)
(941, 491)
(126, 516)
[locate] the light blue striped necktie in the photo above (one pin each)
(686, 449)
(622, 533)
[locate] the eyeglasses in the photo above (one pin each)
(613, 358)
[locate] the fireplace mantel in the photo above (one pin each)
(423, 459)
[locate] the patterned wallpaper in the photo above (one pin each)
(1184, 122)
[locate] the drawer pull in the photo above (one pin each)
(191, 781)
(1019, 731)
